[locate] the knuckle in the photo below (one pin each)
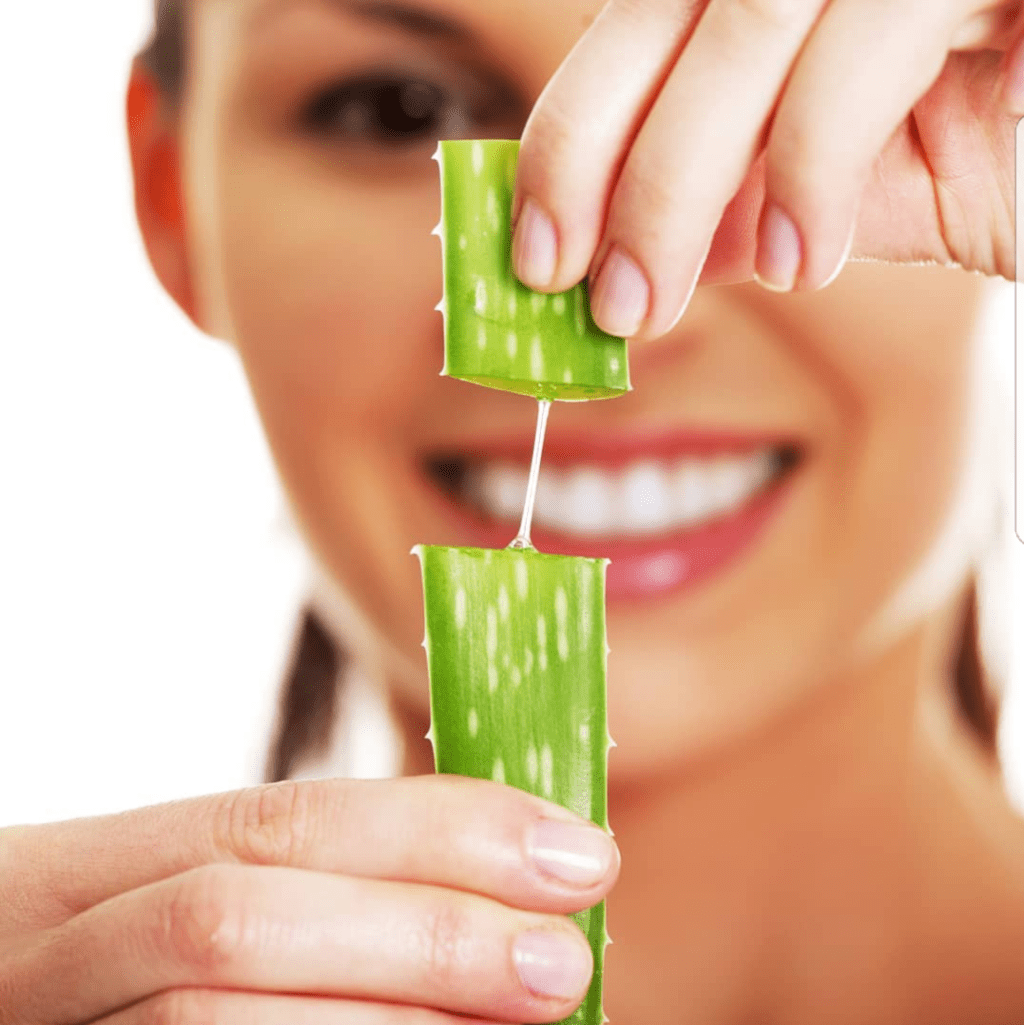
(271, 825)
(646, 195)
(181, 1007)
(202, 924)
(776, 15)
(794, 156)
(447, 945)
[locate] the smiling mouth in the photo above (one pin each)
(639, 499)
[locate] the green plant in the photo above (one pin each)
(515, 639)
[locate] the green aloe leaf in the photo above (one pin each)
(499, 333)
(517, 656)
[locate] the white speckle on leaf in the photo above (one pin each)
(614, 364)
(522, 580)
(512, 344)
(504, 606)
(512, 304)
(463, 242)
(492, 678)
(481, 336)
(478, 158)
(586, 625)
(547, 771)
(536, 359)
(480, 298)
(498, 772)
(584, 733)
(537, 301)
(561, 621)
(517, 676)
(542, 643)
(558, 304)
(492, 208)
(460, 608)
(492, 631)
(567, 376)
(531, 765)
(473, 723)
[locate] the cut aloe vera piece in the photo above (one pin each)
(517, 656)
(499, 333)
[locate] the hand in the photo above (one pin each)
(712, 140)
(338, 901)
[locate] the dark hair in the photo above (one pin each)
(310, 697)
(165, 55)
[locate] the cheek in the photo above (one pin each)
(332, 288)
(890, 361)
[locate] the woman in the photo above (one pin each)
(804, 795)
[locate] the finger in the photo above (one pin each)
(690, 158)
(579, 133)
(195, 1006)
(445, 830)
(286, 930)
(990, 29)
(833, 120)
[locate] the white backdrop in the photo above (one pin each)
(148, 585)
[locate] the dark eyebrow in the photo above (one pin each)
(395, 13)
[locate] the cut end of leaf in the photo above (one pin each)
(500, 334)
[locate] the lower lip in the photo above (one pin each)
(647, 568)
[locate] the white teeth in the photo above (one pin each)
(588, 501)
(730, 481)
(500, 490)
(645, 497)
(690, 493)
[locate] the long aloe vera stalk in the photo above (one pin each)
(499, 333)
(517, 655)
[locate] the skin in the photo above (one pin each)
(806, 831)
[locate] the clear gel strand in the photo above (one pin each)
(523, 537)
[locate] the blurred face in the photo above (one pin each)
(782, 465)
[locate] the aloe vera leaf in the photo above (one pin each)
(517, 656)
(497, 332)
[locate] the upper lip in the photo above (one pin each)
(611, 450)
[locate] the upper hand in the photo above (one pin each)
(718, 140)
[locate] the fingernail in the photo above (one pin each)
(621, 297)
(551, 964)
(575, 854)
(534, 248)
(779, 251)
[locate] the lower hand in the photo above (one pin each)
(396, 901)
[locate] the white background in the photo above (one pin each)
(148, 580)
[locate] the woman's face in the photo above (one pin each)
(312, 194)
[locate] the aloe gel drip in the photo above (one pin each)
(522, 539)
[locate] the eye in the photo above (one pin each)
(390, 111)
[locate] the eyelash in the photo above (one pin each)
(390, 111)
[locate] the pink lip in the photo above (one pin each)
(610, 451)
(642, 568)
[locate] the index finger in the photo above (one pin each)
(446, 830)
(581, 134)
